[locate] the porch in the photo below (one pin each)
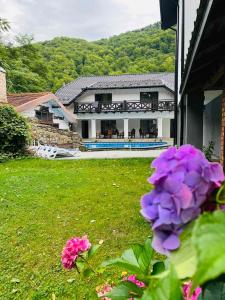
(161, 128)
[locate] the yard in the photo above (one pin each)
(43, 203)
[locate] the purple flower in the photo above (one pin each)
(183, 181)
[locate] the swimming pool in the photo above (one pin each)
(123, 145)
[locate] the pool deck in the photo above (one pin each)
(116, 154)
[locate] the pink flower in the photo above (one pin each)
(187, 290)
(102, 291)
(133, 279)
(73, 248)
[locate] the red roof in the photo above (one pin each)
(20, 99)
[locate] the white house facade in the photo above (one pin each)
(122, 106)
(200, 70)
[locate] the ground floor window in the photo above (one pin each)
(107, 125)
(148, 127)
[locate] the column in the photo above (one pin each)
(160, 128)
(93, 129)
(125, 122)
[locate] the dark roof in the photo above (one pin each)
(209, 56)
(70, 92)
(168, 10)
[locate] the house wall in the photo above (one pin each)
(119, 95)
(212, 124)
(63, 124)
(166, 128)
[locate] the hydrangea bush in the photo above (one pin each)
(186, 185)
(184, 180)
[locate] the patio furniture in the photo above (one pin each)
(50, 152)
(109, 133)
(121, 135)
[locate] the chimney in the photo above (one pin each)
(3, 93)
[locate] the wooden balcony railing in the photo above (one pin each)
(125, 106)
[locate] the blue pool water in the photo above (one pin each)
(124, 145)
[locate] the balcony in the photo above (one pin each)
(125, 106)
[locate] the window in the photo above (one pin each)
(108, 125)
(148, 126)
(149, 97)
(43, 114)
(103, 98)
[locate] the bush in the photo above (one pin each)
(14, 132)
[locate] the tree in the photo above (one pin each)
(4, 25)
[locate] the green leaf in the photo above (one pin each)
(93, 250)
(88, 272)
(184, 259)
(209, 240)
(123, 264)
(125, 291)
(158, 268)
(167, 288)
(137, 259)
(214, 290)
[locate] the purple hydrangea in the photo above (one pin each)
(183, 181)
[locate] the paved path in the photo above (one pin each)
(116, 154)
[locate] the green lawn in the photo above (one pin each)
(43, 203)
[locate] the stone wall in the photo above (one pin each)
(48, 135)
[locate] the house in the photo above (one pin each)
(200, 70)
(51, 122)
(122, 106)
(44, 107)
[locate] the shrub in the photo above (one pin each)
(14, 132)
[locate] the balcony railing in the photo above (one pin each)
(125, 106)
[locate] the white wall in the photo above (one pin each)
(212, 124)
(119, 95)
(166, 128)
(63, 124)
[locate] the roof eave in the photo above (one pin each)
(168, 12)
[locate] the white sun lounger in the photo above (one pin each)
(49, 152)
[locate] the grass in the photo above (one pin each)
(43, 203)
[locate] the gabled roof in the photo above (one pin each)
(27, 101)
(20, 100)
(168, 10)
(72, 91)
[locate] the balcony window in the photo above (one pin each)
(103, 98)
(149, 97)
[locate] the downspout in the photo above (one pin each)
(175, 89)
(176, 79)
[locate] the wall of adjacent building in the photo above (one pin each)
(63, 124)
(212, 124)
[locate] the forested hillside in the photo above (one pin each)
(48, 65)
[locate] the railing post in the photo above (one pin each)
(125, 107)
(75, 107)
